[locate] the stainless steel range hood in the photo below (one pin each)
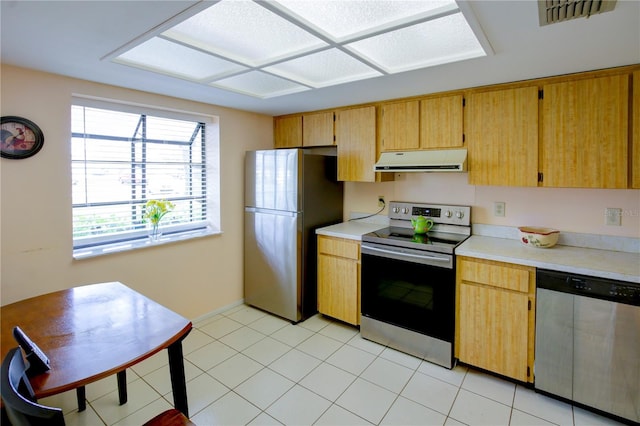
(446, 160)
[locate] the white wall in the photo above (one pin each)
(192, 277)
(567, 209)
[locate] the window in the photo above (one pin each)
(123, 156)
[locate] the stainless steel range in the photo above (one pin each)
(408, 280)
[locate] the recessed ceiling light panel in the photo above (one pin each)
(259, 84)
(340, 19)
(325, 68)
(173, 59)
(435, 42)
(244, 31)
(273, 48)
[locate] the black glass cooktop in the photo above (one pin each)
(443, 242)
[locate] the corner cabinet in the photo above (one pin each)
(584, 140)
(501, 128)
(495, 317)
(339, 278)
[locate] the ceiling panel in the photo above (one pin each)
(244, 31)
(434, 42)
(310, 43)
(324, 68)
(345, 19)
(257, 83)
(174, 59)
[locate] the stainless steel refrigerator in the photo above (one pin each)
(289, 193)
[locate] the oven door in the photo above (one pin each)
(411, 289)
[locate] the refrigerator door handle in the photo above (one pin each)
(269, 211)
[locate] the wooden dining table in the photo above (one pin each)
(94, 331)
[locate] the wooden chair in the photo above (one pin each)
(22, 409)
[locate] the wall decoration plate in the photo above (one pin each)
(20, 138)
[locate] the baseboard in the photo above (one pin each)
(218, 311)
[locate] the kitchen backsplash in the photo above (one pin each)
(368, 218)
(575, 239)
(603, 242)
(570, 210)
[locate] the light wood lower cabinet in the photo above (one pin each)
(495, 317)
(339, 278)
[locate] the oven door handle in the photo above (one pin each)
(416, 256)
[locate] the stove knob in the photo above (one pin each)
(447, 213)
(405, 210)
(459, 214)
(395, 209)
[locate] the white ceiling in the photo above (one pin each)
(76, 39)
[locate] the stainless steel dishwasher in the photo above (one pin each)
(588, 341)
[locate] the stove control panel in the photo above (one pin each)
(444, 214)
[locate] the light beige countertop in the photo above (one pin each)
(352, 230)
(618, 265)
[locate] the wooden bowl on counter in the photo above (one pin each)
(534, 236)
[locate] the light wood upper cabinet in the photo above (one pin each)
(339, 278)
(495, 317)
(303, 130)
(576, 135)
(317, 129)
(635, 135)
(356, 141)
(429, 123)
(584, 140)
(400, 126)
(441, 122)
(287, 132)
(501, 128)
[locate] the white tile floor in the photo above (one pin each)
(248, 367)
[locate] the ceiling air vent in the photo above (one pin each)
(552, 11)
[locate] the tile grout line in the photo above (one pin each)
(315, 330)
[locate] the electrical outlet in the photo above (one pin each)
(499, 208)
(381, 202)
(612, 216)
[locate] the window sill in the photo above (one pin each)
(140, 243)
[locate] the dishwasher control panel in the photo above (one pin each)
(582, 285)
(627, 292)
